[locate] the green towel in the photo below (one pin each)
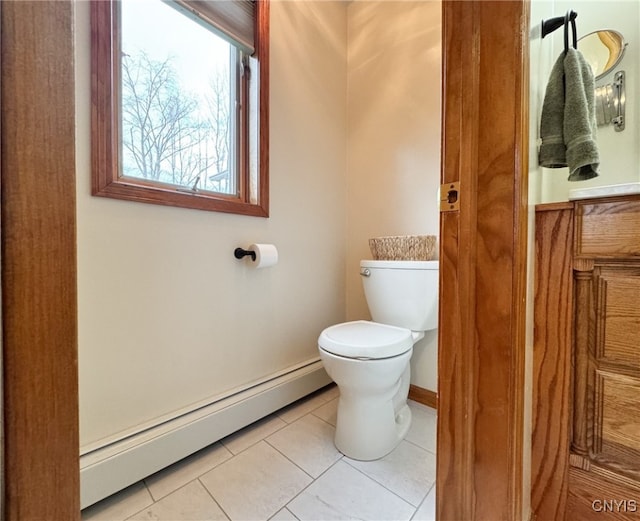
(553, 153)
(568, 123)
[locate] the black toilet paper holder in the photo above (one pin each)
(240, 253)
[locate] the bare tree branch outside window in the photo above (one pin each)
(170, 135)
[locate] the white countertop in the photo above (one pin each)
(604, 191)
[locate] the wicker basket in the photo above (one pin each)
(404, 247)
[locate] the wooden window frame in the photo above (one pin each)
(105, 159)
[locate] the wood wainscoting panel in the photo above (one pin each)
(553, 323)
(586, 424)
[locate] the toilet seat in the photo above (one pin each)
(367, 340)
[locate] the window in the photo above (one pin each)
(180, 103)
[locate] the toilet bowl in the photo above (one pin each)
(370, 360)
(373, 415)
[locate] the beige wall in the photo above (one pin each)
(167, 317)
(619, 151)
(394, 83)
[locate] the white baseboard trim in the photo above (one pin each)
(113, 467)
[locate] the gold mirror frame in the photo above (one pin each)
(603, 50)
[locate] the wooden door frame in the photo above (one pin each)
(483, 261)
(481, 363)
(39, 318)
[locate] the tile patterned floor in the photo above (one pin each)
(285, 467)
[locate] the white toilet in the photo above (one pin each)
(369, 361)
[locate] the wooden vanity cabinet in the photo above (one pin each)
(586, 406)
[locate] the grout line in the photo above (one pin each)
(198, 476)
(320, 418)
(419, 446)
(214, 499)
(312, 482)
(382, 485)
(285, 508)
(120, 500)
(423, 500)
(155, 502)
(325, 421)
(285, 424)
(289, 459)
(302, 401)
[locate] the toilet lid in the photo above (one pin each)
(364, 339)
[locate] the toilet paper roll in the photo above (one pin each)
(266, 255)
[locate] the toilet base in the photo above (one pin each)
(354, 436)
(373, 416)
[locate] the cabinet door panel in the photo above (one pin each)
(617, 425)
(619, 316)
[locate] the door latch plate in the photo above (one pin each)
(450, 197)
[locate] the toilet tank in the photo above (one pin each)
(402, 293)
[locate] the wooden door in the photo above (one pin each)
(482, 262)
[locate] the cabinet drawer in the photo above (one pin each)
(608, 228)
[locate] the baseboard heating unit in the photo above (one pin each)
(115, 464)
